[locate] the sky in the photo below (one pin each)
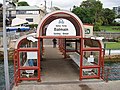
(67, 4)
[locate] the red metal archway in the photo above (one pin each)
(79, 38)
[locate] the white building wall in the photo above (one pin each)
(36, 18)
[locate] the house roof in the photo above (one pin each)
(28, 8)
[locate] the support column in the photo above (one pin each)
(81, 57)
(18, 66)
(41, 47)
(100, 60)
(76, 45)
(103, 53)
(65, 49)
(39, 60)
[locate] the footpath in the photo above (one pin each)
(112, 85)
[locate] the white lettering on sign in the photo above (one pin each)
(61, 27)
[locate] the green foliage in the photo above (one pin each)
(23, 3)
(113, 45)
(33, 25)
(108, 16)
(92, 12)
(118, 16)
(96, 27)
(115, 23)
(83, 14)
(110, 28)
(93, 9)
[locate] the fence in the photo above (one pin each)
(108, 34)
(112, 51)
(111, 73)
(11, 83)
(11, 76)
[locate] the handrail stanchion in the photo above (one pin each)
(107, 74)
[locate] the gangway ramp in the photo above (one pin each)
(55, 68)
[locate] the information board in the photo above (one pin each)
(31, 55)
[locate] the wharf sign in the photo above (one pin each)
(61, 27)
(88, 30)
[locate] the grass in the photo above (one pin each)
(110, 28)
(113, 45)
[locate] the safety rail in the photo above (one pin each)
(111, 73)
(12, 82)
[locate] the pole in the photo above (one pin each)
(7, 83)
(45, 6)
(51, 4)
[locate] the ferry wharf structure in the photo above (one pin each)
(36, 60)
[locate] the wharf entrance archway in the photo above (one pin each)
(68, 29)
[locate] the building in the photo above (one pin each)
(33, 14)
(117, 10)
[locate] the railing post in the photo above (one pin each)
(109, 51)
(107, 74)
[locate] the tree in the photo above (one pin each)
(95, 8)
(108, 16)
(23, 3)
(118, 16)
(89, 12)
(83, 14)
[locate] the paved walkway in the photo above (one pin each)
(56, 69)
(61, 74)
(84, 85)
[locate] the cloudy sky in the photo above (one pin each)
(67, 4)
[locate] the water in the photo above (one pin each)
(2, 78)
(114, 71)
(112, 64)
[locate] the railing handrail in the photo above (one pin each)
(12, 79)
(108, 71)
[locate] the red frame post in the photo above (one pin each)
(81, 57)
(39, 55)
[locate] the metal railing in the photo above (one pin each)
(111, 73)
(112, 51)
(11, 83)
(2, 87)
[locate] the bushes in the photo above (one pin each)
(96, 27)
(115, 24)
(33, 25)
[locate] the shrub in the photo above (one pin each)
(96, 27)
(33, 25)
